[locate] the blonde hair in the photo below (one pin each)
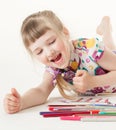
(33, 27)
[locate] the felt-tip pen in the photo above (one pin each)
(89, 118)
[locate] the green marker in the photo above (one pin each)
(107, 113)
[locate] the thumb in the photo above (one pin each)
(15, 93)
(80, 72)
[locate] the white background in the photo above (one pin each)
(17, 69)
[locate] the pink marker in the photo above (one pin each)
(74, 118)
(89, 118)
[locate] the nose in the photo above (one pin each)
(49, 52)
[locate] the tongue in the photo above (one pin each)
(57, 58)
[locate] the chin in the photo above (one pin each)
(60, 66)
(63, 66)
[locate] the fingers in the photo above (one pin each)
(80, 88)
(79, 77)
(80, 73)
(79, 85)
(79, 81)
(10, 109)
(12, 102)
(15, 93)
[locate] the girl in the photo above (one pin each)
(82, 66)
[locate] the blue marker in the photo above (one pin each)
(104, 105)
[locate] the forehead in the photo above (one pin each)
(43, 39)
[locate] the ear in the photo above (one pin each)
(65, 31)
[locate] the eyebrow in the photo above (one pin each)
(50, 38)
(34, 48)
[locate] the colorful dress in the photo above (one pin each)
(84, 56)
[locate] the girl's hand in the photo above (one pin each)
(82, 81)
(12, 102)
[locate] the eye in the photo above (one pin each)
(39, 52)
(51, 42)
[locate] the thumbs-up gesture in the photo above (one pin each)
(82, 81)
(12, 102)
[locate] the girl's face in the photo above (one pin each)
(52, 50)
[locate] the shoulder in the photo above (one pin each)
(91, 47)
(52, 71)
(108, 55)
(86, 43)
(47, 79)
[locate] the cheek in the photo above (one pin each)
(60, 46)
(41, 59)
(64, 48)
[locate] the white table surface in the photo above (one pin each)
(30, 119)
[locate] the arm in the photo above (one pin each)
(83, 80)
(108, 62)
(38, 95)
(14, 102)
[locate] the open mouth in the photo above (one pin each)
(57, 58)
